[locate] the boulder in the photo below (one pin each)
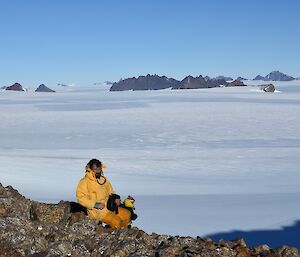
(268, 88)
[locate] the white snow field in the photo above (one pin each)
(199, 162)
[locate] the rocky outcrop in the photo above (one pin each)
(15, 87)
(149, 82)
(43, 88)
(278, 76)
(236, 83)
(268, 88)
(154, 82)
(29, 228)
(191, 82)
(241, 78)
(275, 76)
(259, 77)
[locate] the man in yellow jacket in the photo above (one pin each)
(93, 192)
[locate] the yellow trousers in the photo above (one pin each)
(120, 220)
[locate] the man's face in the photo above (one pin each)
(97, 171)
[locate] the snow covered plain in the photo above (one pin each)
(200, 162)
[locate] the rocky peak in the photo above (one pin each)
(259, 77)
(275, 76)
(15, 87)
(191, 82)
(148, 82)
(278, 76)
(43, 88)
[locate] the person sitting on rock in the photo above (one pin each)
(93, 192)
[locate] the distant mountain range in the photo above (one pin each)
(275, 76)
(155, 82)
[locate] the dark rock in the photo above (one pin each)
(6, 249)
(275, 76)
(40, 254)
(236, 83)
(278, 76)
(259, 77)
(191, 82)
(240, 78)
(43, 88)
(268, 88)
(15, 87)
(149, 82)
(154, 82)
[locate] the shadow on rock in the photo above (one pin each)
(288, 235)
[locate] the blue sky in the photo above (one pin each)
(82, 42)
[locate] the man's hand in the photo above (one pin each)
(99, 206)
(118, 202)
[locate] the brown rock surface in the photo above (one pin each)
(29, 228)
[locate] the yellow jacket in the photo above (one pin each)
(89, 191)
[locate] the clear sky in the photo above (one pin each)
(82, 42)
